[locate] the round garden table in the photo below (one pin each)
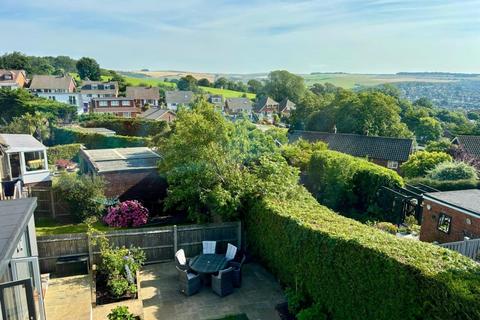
(206, 264)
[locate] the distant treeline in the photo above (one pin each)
(439, 74)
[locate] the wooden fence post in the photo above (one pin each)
(90, 251)
(52, 201)
(175, 239)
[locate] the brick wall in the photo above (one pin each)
(462, 224)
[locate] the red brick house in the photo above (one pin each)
(384, 151)
(450, 216)
(119, 106)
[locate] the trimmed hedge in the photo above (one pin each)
(129, 126)
(349, 184)
(95, 140)
(66, 151)
(446, 185)
(349, 270)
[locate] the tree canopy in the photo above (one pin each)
(88, 68)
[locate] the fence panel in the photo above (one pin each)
(159, 243)
(49, 203)
(468, 247)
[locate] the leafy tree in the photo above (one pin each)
(421, 162)
(254, 86)
(204, 82)
(448, 171)
(15, 60)
(122, 83)
(282, 84)
(187, 83)
(221, 83)
(326, 88)
(298, 154)
(88, 68)
(442, 145)
(428, 129)
(35, 124)
(473, 115)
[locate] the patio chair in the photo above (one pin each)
(231, 252)
(180, 260)
(222, 283)
(237, 271)
(209, 247)
(189, 283)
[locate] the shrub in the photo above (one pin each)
(387, 227)
(446, 185)
(128, 126)
(65, 152)
(449, 171)
(421, 162)
(353, 271)
(82, 194)
(298, 154)
(95, 140)
(314, 312)
(129, 213)
(348, 184)
(120, 313)
(442, 145)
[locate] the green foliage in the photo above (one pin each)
(428, 129)
(120, 313)
(421, 162)
(62, 135)
(88, 68)
(411, 225)
(282, 84)
(387, 227)
(37, 65)
(298, 154)
(296, 300)
(128, 126)
(16, 103)
(314, 312)
(187, 83)
(449, 171)
(65, 151)
(84, 195)
(347, 267)
(447, 185)
(349, 184)
(441, 145)
(35, 124)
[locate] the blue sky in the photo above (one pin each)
(364, 36)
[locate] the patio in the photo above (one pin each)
(257, 297)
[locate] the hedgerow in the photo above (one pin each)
(129, 126)
(348, 184)
(447, 185)
(348, 270)
(95, 140)
(66, 151)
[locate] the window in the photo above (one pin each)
(114, 103)
(126, 103)
(103, 103)
(444, 223)
(34, 161)
(72, 100)
(392, 164)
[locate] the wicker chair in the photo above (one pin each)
(189, 283)
(231, 252)
(222, 284)
(209, 247)
(180, 260)
(237, 272)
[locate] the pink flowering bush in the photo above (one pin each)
(128, 213)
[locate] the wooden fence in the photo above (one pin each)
(468, 247)
(159, 243)
(49, 203)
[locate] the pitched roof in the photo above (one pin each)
(178, 97)
(471, 144)
(468, 200)
(20, 142)
(238, 103)
(286, 104)
(122, 159)
(155, 113)
(143, 93)
(15, 215)
(265, 102)
(99, 87)
(51, 82)
(5, 75)
(395, 149)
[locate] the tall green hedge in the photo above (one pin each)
(348, 184)
(349, 270)
(94, 140)
(447, 185)
(66, 151)
(129, 126)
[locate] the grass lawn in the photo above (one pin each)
(228, 93)
(48, 226)
(242, 316)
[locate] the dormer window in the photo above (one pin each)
(8, 77)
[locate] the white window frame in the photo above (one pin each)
(392, 164)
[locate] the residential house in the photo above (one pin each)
(265, 108)
(384, 151)
(285, 108)
(144, 96)
(23, 158)
(174, 99)
(12, 79)
(471, 145)
(158, 114)
(450, 216)
(57, 88)
(97, 89)
(119, 106)
(130, 173)
(21, 294)
(236, 106)
(216, 100)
